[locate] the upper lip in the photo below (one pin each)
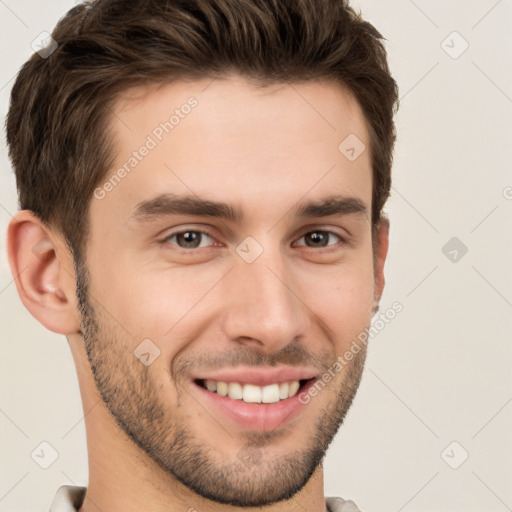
(259, 376)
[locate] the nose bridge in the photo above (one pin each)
(263, 304)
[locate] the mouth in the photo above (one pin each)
(250, 393)
(252, 407)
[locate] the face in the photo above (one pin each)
(232, 256)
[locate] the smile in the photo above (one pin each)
(251, 393)
(251, 406)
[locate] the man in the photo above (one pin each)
(201, 187)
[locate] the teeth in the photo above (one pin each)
(270, 394)
(222, 388)
(254, 394)
(283, 390)
(235, 391)
(294, 387)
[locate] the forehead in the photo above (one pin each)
(232, 140)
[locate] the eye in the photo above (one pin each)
(189, 239)
(319, 238)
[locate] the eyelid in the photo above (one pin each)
(344, 239)
(329, 232)
(171, 234)
(336, 230)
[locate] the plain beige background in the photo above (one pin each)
(437, 387)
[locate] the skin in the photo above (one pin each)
(153, 442)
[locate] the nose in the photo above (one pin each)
(264, 306)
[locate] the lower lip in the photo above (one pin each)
(255, 416)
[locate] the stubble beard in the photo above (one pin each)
(133, 401)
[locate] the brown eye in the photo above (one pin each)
(319, 238)
(188, 239)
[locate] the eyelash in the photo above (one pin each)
(165, 241)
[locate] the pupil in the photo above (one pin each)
(190, 238)
(318, 236)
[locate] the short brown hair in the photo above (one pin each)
(58, 118)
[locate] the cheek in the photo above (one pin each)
(343, 299)
(156, 301)
(153, 301)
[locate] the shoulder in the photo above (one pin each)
(335, 504)
(69, 498)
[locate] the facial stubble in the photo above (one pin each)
(136, 405)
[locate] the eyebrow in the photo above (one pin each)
(165, 205)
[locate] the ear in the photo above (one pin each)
(381, 250)
(42, 267)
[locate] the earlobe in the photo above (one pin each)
(43, 273)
